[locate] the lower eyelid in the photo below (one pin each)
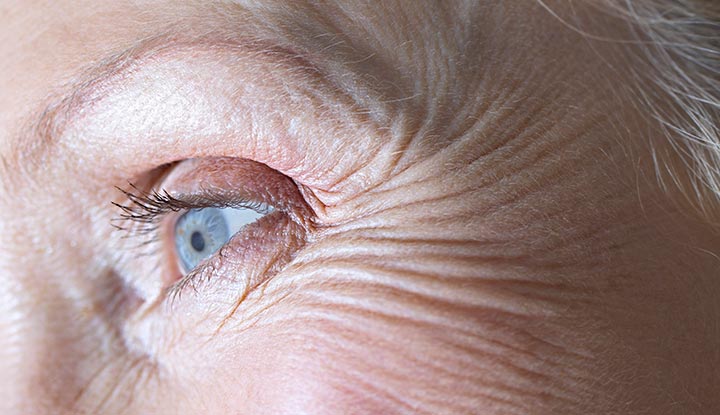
(248, 259)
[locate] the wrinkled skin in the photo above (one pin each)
(479, 228)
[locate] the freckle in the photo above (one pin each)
(86, 312)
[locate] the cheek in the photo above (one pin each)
(293, 369)
(275, 369)
(318, 351)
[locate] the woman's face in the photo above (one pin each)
(457, 214)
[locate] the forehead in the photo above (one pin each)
(443, 62)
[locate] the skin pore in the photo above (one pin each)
(468, 216)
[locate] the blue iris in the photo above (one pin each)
(199, 233)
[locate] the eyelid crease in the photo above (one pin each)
(95, 82)
(74, 117)
(220, 182)
(43, 133)
(223, 179)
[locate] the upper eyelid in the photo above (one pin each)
(110, 92)
(94, 83)
(148, 208)
(210, 182)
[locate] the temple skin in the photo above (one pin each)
(481, 229)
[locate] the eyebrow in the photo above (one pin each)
(40, 138)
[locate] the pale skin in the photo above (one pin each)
(468, 222)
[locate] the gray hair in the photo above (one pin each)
(679, 82)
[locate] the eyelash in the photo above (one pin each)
(144, 211)
(147, 209)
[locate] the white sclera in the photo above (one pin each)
(199, 233)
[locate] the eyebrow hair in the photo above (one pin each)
(38, 138)
(228, 27)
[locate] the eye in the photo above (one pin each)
(209, 221)
(199, 233)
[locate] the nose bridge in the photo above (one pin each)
(52, 338)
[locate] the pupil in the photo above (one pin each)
(197, 241)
